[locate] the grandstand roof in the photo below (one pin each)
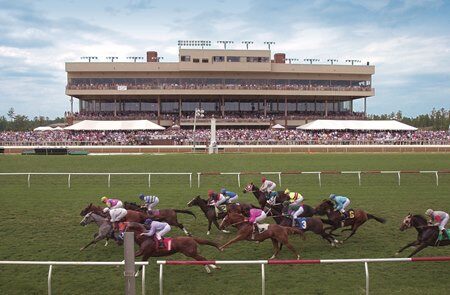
(356, 125)
(115, 125)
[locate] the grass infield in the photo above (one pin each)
(42, 223)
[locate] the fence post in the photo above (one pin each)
(143, 280)
(320, 180)
(29, 175)
(149, 180)
(109, 180)
(263, 280)
(359, 178)
(239, 179)
(437, 179)
(160, 279)
(68, 181)
(398, 173)
(198, 179)
(128, 249)
(366, 266)
(49, 280)
(190, 179)
(279, 178)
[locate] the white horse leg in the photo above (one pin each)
(225, 231)
(207, 233)
(208, 270)
(186, 232)
(136, 274)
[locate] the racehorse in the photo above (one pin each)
(166, 215)
(278, 234)
(426, 235)
(132, 215)
(312, 224)
(261, 196)
(148, 246)
(355, 220)
(105, 229)
(209, 211)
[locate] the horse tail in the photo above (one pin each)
(379, 219)
(185, 212)
(206, 242)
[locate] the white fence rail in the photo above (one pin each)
(70, 174)
(262, 263)
(77, 263)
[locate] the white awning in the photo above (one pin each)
(115, 125)
(356, 125)
(277, 126)
(43, 128)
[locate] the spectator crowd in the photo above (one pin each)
(178, 136)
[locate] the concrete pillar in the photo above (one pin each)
(128, 249)
(326, 108)
(180, 105)
(223, 106)
(265, 106)
(115, 108)
(365, 107)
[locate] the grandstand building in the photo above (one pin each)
(237, 87)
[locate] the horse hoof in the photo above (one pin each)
(81, 249)
(272, 257)
(207, 233)
(221, 249)
(396, 254)
(136, 274)
(225, 231)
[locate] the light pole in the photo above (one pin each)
(311, 60)
(247, 43)
(112, 58)
(159, 58)
(332, 61)
(268, 43)
(89, 58)
(134, 58)
(198, 113)
(225, 42)
(291, 59)
(194, 43)
(353, 61)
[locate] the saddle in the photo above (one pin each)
(221, 209)
(272, 195)
(301, 222)
(154, 213)
(262, 227)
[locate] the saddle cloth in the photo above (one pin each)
(167, 244)
(441, 237)
(262, 227)
(220, 209)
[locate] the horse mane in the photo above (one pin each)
(418, 216)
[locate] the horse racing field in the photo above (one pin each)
(41, 223)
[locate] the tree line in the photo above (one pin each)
(437, 119)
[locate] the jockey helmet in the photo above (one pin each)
(263, 179)
(286, 203)
(104, 199)
(332, 196)
(287, 191)
(148, 221)
(429, 212)
(223, 191)
(210, 192)
(141, 196)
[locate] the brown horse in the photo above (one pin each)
(426, 235)
(166, 215)
(261, 196)
(132, 216)
(148, 246)
(355, 220)
(278, 234)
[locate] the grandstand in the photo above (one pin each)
(237, 87)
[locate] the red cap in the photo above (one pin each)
(210, 192)
(263, 179)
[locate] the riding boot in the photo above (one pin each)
(445, 234)
(161, 244)
(344, 216)
(255, 229)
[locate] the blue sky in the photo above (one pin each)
(408, 41)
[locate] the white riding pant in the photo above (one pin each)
(345, 205)
(161, 233)
(150, 206)
(271, 188)
(443, 223)
(298, 212)
(117, 214)
(261, 217)
(233, 199)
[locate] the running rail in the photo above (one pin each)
(262, 263)
(79, 263)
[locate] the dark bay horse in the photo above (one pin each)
(209, 211)
(148, 246)
(278, 234)
(166, 215)
(426, 235)
(261, 197)
(334, 217)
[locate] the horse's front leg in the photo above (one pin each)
(415, 243)
(418, 249)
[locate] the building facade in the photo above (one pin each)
(238, 87)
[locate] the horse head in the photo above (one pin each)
(249, 188)
(406, 223)
(323, 207)
(194, 202)
(87, 219)
(231, 219)
(86, 210)
(135, 227)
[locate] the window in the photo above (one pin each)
(218, 58)
(205, 60)
(185, 58)
(196, 60)
(257, 59)
(233, 58)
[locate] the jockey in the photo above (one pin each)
(159, 229)
(230, 197)
(295, 198)
(216, 199)
(340, 203)
(293, 209)
(150, 201)
(256, 216)
(111, 203)
(439, 218)
(267, 186)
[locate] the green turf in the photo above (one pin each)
(42, 223)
